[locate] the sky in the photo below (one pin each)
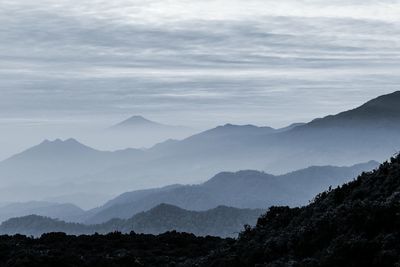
(91, 63)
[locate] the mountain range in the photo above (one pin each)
(48, 209)
(356, 224)
(243, 189)
(369, 132)
(139, 132)
(220, 221)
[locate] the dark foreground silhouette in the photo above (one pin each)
(357, 224)
(114, 249)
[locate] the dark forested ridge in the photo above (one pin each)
(221, 221)
(357, 224)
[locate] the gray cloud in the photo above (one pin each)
(59, 60)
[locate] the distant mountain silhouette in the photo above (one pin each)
(221, 221)
(140, 132)
(135, 121)
(46, 150)
(369, 132)
(53, 167)
(139, 123)
(48, 209)
(49, 160)
(69, 152)
(244, 189)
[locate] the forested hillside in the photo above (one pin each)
(221, 221)
(357, 224)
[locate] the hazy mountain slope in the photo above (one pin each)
(48, 209)
(383, 111)
(139, 123)
(112, 206)
(358, 127)
(221, 221)
(354, 225)
(342, 139)
(137, 195)
(214, 142)
(61, 161)
(244, 189)
(138, 131)
(136, 121)
(57, 168)
(368, 132)
(84, 200)
(50, 160)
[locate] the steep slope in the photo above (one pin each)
(244, 189)
(367, 132)
(381, 112)
(221, 221)
(356, 224)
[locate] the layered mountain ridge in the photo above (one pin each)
(369, 132)
(356, 224)
(220, 221)
(244, 189)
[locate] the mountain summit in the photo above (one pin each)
(141, 124)
(136, 121)
(56, 148)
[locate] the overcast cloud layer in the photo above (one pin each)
(197, 63)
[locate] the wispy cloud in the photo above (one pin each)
(280, 61)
